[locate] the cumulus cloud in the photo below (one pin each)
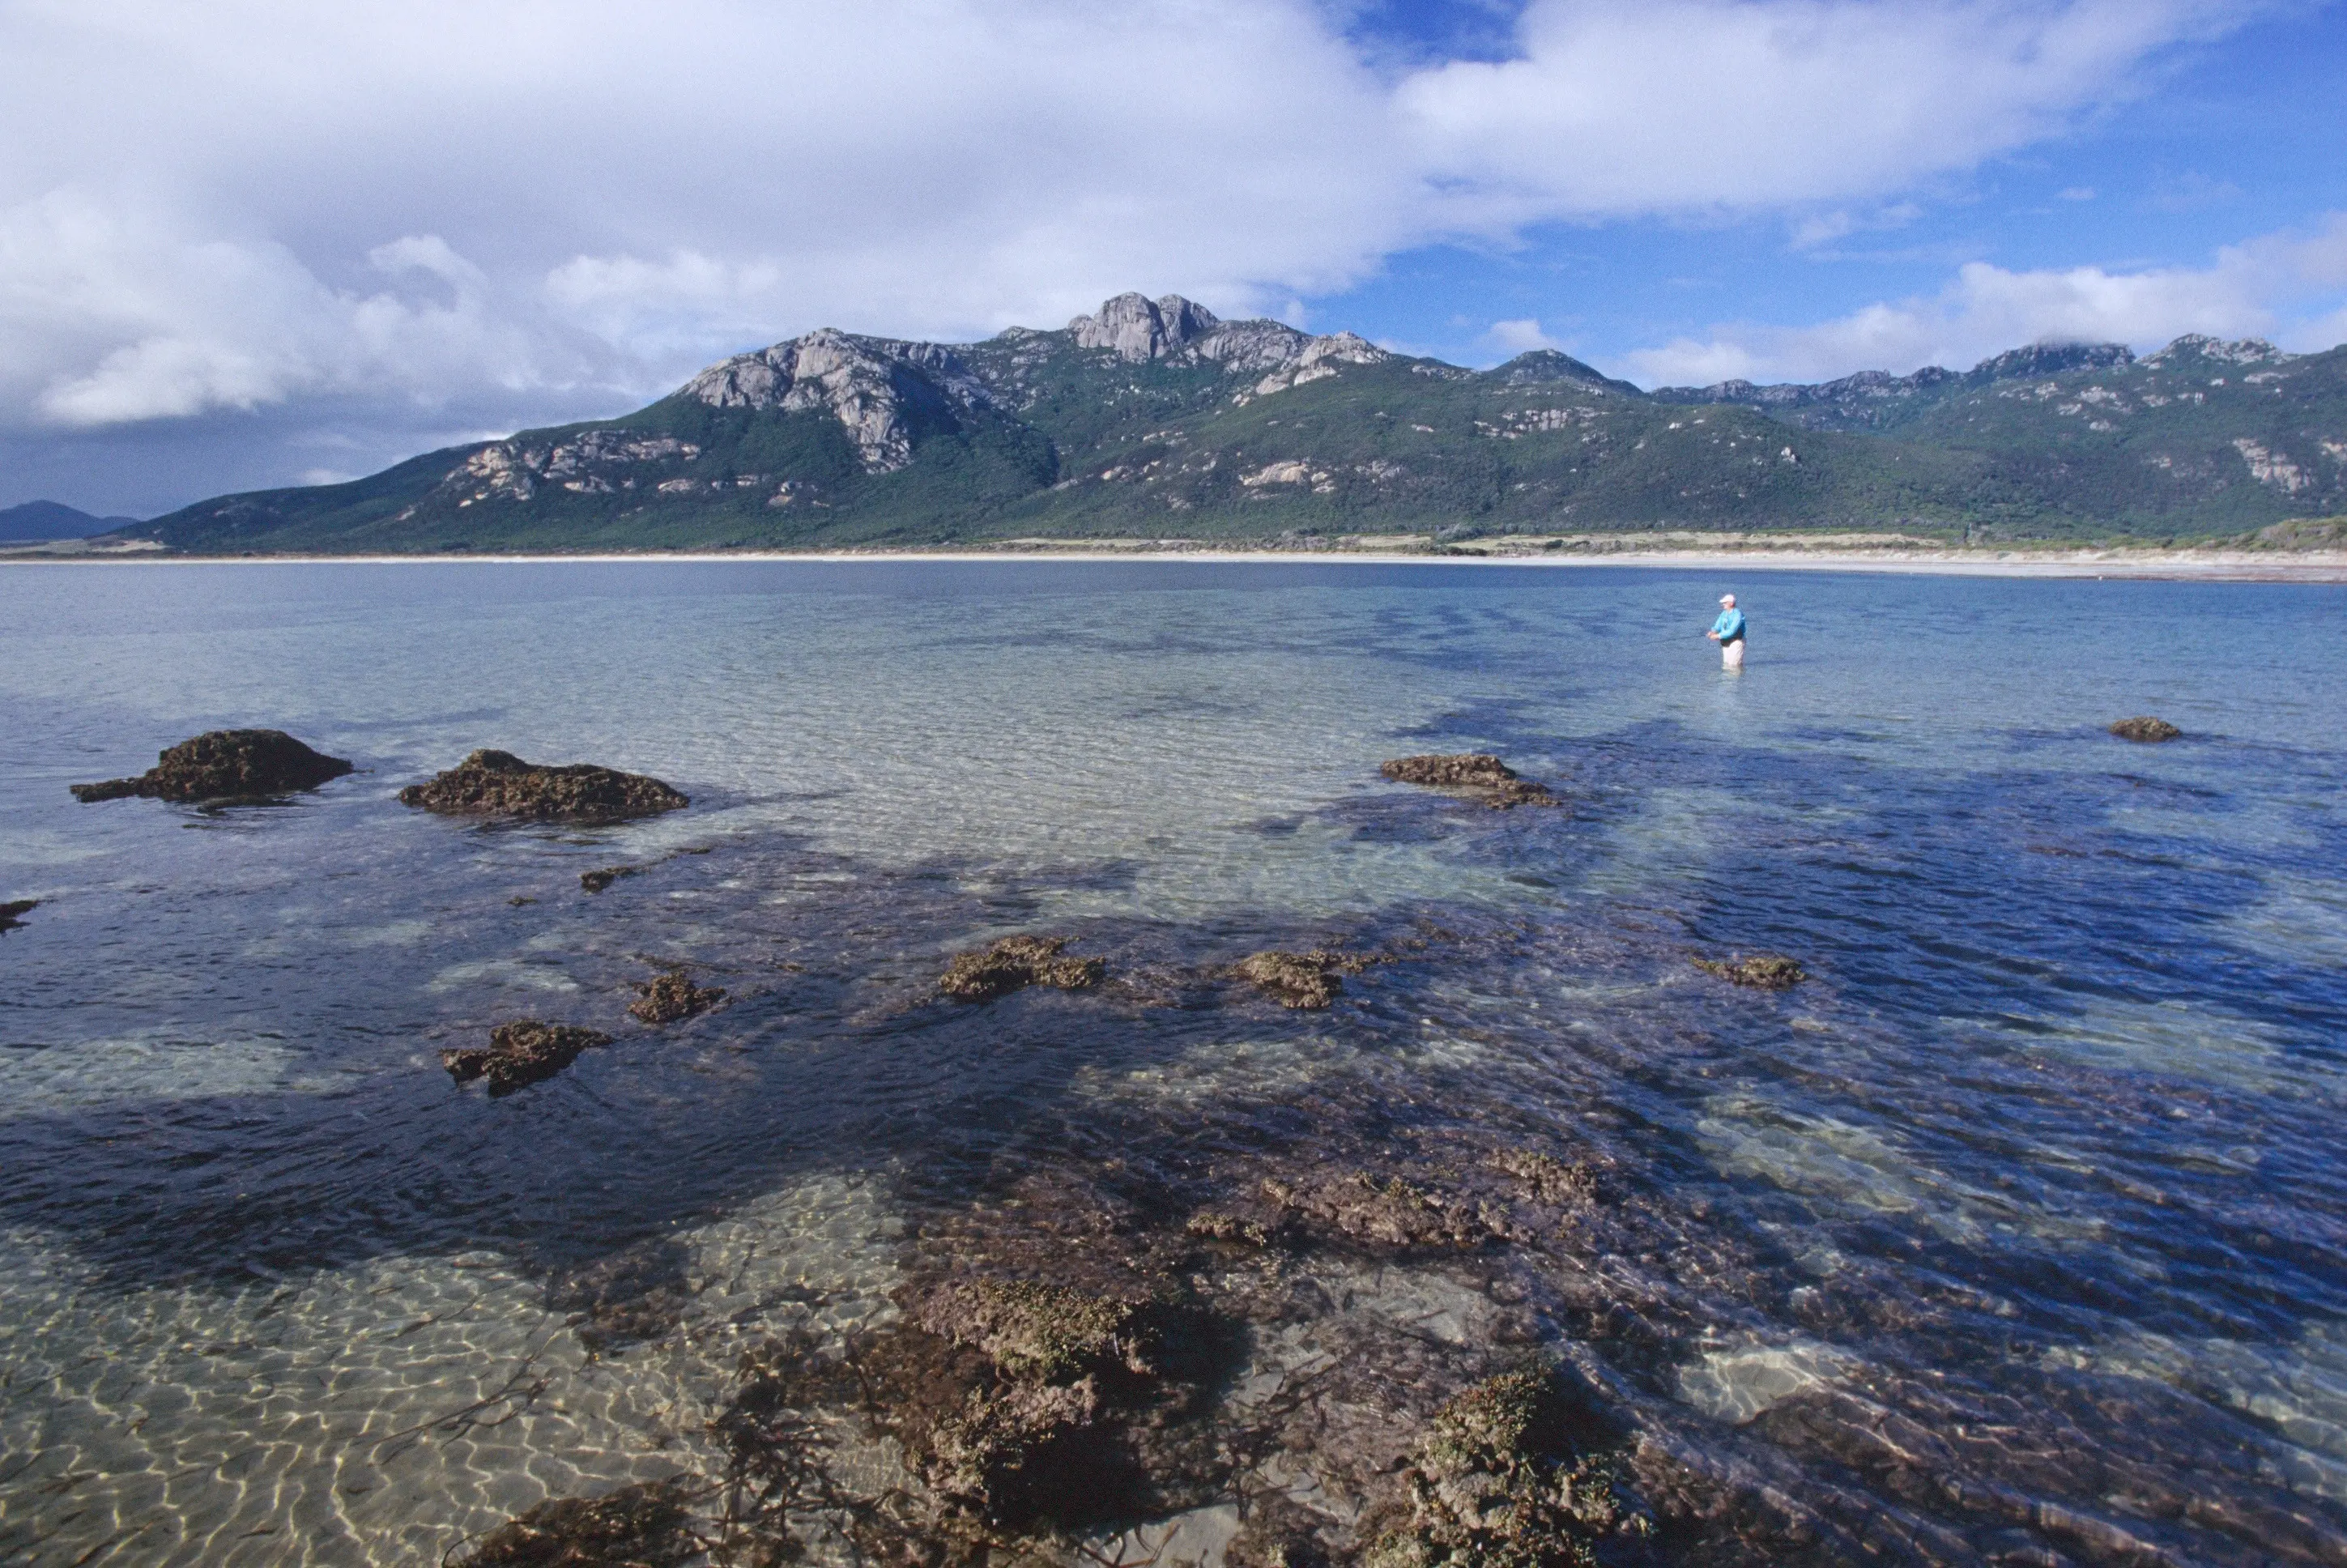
(1519, 336)
(384, 203)
(2276, 286)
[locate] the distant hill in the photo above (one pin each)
(1153, 419)
(36, 520)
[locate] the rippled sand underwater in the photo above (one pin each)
(2013, 1234)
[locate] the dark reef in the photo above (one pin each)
(643, 1526)
(671, 997)
(1014, 963)
(498, 783)
(520, 1053)
(1763, 971)
(1307, 980)
(1479, 774)
(225, 766)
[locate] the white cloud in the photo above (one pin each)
(256, 204)
(1631, 106)
(2279, 285)
(1519, 336)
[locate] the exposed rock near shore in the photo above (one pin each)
(1303, 980)
(1763, 971)
(520, 1053)
(640, 1526)
(671, 997)
(1507, 1477)
(1479, 774)
(2144, 727)
(498, 783)
(1014, 963)
(225, 766)
(12, 914)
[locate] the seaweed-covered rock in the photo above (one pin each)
(1506, 1477)
(999, 1389)
(225, 766)
(1493, 782)
(1762, 971)
(520, 1053)
(1546, 1179)
(1307, 980)
(595, 881)
(1038, 1331)
(1213, 1224)
(1016, 962)
(670, 996)
(12, 914)
(2144, 727)
(1393, 1213)
(643, 1526)
(498, 783)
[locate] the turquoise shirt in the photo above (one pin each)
(1729, 626)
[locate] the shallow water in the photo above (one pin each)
(2017, 1232)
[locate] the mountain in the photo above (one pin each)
(1154, 418)
(37, 520)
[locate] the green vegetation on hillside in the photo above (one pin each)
(833, 441)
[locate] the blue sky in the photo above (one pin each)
(2226, 140)
(303, 242)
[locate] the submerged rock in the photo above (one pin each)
(498, 783)
(1502, 1479)
(1493, 782)
(1016, 962)
(12, 915)
(1033, 1330)
(1307, 980)
(641, 1526)
(597, 880)
(672, 996)
(1007, 1395)
(1391, 1213)
(1546, 1179)
(520, 1053)
(225, 766)
(637, 1293)
(2145, 728)
(1763, 971)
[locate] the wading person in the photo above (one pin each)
(1728, 632)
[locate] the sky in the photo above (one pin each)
(256, 243)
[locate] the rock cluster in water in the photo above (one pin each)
(498, 783)
(643, 1526)
(1014, 963)
(1479, 774)
(670, 996)
(12, 914)
(2144, 727)
(1306, 980)
(225, 766)
(1763, 971)
(520, 1053)
(1499, 1481)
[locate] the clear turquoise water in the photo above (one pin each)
(2043, 1161)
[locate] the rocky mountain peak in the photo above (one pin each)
(865, 383)
(2198, 345)
(2051, 359)
(1136, 328)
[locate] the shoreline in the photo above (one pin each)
(2319, 567)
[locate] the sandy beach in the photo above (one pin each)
(2181, 564)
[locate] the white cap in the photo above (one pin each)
(1728, 599)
